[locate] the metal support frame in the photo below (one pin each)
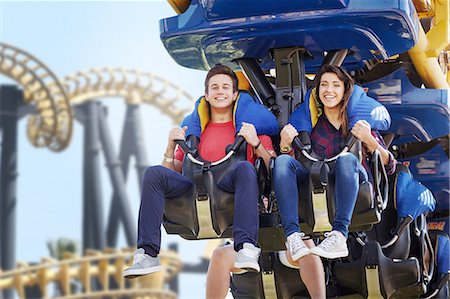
(11, 98)
(132, 143)
(140, 154)
(93, 229)
(98, 138)
(116, 176)
(174, 284)
(258, 81)
(291, 82)
(201, 267)
(335, 57)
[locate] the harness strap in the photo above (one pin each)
(199, 179)
(319, 176)
(203, 199)
(268, 277)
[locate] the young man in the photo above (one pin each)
(165, 181)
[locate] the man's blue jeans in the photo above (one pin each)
(161, 183)
(289, 173)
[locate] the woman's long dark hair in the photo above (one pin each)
(348, 90)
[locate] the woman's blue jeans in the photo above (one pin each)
(289, 173)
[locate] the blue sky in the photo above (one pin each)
(75, 36)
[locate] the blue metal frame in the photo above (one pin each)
(418, 115)
(202, 37)
(226, 9)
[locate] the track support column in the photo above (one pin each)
(11, 98)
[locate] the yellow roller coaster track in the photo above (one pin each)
(52, 125)
(104, 266)
(431, 53)
(135, 86)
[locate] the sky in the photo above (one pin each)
(76, 36)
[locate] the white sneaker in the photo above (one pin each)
(334, 246)
(296, 246)
(247, 258)
(143, 264)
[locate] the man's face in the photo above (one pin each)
(220, 92)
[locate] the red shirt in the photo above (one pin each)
(214, 140)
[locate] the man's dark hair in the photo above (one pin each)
(224, 70)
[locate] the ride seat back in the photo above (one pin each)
(366, 212)
(383, 231)
(205, 211)
(375, 276)
(317, 210)
(274, 281)
(288, 281)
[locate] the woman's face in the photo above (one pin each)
(331, 90)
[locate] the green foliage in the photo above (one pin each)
(59, 248)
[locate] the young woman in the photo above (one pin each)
(334, 88)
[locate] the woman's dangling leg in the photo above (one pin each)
(349, 174)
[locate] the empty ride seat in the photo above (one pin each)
(402, 241)
(438, 287)
(376, 276)
(247, 285)
(277, 279)
(289, 284)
